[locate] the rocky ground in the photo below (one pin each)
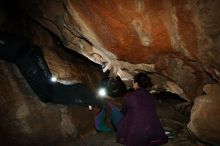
(108, 139)
(174, 113)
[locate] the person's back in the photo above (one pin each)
(140, 125)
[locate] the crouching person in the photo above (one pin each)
(140, 125)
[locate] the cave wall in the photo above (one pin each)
(176, 41)
(205, 116)
(25, 119)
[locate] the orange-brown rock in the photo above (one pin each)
(25, 119)
(172, 35)
(68, 66)
(176, 40)
(205, 117)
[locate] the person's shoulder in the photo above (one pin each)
(143, 92)
(140, 90)
(129, 94)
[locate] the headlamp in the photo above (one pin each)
(102, 92)
(53, 79)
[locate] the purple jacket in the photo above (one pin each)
(140, 126)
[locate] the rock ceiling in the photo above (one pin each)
(177, 41)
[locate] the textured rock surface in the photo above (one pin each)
(66, 65)
(25, 119)
(177, 39)
(205, 117)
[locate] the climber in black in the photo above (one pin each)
(114, 86)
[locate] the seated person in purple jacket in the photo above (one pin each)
(140, 125)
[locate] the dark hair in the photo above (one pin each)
(143, 80)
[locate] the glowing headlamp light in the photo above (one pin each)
(53, 79)
(102, 92)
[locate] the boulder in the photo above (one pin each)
(205, 117)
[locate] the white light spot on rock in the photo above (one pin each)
(90, 107)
